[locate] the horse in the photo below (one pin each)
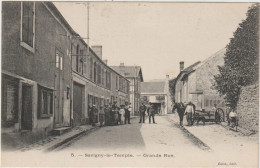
(180, 110)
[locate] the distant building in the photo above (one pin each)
(135, 76)
(157, 93)
(195, 83)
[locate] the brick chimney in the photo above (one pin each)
(167, 76)
(122, 64)
(98, 50)
(181, 66)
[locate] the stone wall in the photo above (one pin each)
(248, 108)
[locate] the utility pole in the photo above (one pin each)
(88, 30)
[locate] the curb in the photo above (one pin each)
(198, 141)
(239, 130)
(59, 144)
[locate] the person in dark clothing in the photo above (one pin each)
(115, 114)
(151, 112)
(93, 115)
(127, 114)
(107, 115)
(142, 110)
(180, 110)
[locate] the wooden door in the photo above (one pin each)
(77, 103)
(58, 110)
(26, 115)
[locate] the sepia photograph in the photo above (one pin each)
(129, 84)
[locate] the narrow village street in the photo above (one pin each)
(165, 141)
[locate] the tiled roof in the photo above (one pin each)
(128, 71)
(152, 87)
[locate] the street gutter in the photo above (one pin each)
(195, 139)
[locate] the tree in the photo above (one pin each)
(172, 89)
(241, 59)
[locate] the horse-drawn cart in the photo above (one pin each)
(209, 116)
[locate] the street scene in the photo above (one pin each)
(100, 84)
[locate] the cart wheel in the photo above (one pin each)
(217, 118)
(220, 111)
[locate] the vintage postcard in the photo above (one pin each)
(129, 84)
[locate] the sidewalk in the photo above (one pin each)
(52, 142)
(219, 138)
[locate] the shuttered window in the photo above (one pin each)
(27, 26)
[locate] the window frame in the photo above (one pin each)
(50, 111)
(22, 43)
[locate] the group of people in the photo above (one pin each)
(150, 111)
(187, 110)
(110, 114)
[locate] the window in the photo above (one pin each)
(45, 102)
(68, 93)
(99, 74)
(91, 69)
(116, 82)
(95, 72)
(27, 25)
(81, 68)
(59, 61)
(108, 80)
(102, 77)
(77, 58)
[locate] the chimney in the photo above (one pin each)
(122, 64)
(167, 77)
(105, 61)
(98, 50)
(181, 65)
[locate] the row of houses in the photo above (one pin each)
(195, 83)
(50, 76)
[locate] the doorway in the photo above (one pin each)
(77, 103)
(26, 115)
(59, 96)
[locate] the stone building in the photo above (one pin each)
(157, 93)
(94, 82)
(36, 69)
(135, 76)
(49, 74)
(195, 83)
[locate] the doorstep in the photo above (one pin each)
(54, 141)
(60, 131)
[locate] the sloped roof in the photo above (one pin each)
(128, 71)
(152, 87)
(191, 67)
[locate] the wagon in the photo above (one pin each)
(209, 116)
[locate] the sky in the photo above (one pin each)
(155, 36)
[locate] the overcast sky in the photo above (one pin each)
(156, 36)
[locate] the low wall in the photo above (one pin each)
(248, 108)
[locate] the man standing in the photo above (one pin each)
(151, 112)
(127, 114)
(189, 112)
(142, 110)
(107, 115)
(93, 115)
